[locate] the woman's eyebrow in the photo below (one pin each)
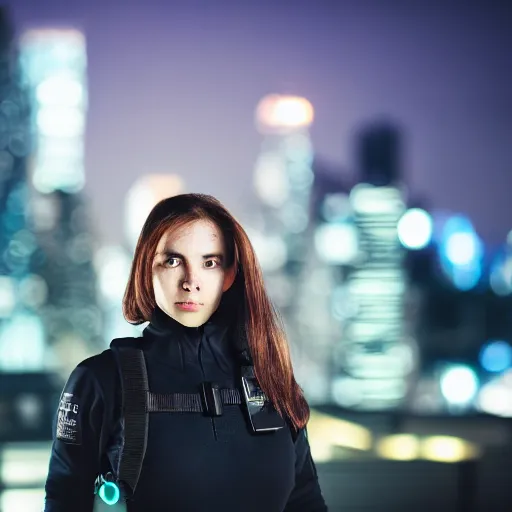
(213, 255)
(174, 254)
(169, 254)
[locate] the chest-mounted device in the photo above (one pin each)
(262, 414)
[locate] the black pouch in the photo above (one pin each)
(262, 414)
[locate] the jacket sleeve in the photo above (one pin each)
(306, 495)
(75, 455)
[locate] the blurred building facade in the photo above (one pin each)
(297, 281)
(333, 262)
(375, 357)
(54, 66)
(21, 332)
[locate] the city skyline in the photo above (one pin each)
(173, 88)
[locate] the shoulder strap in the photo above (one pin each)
(134, 381)
(136, 406)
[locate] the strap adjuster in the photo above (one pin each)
(211, 398)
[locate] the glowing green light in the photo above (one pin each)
(109, 493)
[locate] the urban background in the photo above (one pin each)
(367, 149)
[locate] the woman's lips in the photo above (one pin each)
(188, 306)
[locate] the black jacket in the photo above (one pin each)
(193, 462)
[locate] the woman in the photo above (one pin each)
(212, 332)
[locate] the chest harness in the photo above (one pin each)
(138, 402)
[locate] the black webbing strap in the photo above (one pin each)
(138, 401)
(188, 402)
(231, 396)
(134, 380)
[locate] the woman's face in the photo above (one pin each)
(190, 274)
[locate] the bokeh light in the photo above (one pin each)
(495, 396)
(448, 449)
(336, 243)
(461, 253)
(459, 384)
(284, 112)
(500, 278)
(415, 229)
(398, 447)
(496, 356)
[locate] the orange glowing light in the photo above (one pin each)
(284, 112)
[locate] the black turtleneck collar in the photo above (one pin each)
(202, 353)
(161, 324)
(212, 345)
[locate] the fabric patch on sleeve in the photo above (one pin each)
(68, 420)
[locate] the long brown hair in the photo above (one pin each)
(265, 336)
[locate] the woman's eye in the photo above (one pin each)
(173, 262)
(211, 263)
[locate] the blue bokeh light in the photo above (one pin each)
(496, 356)
(461, 253)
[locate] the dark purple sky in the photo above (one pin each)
(173, 86)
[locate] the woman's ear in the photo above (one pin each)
(229, 277)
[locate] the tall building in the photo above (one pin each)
(28, 392)
(283, 178)
(54, 68)
(283, 175)
(299, 282)
(19, 292)
(375, 357)
(324, 297)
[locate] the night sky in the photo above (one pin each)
(173, 86)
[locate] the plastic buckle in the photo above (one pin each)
(212, 400)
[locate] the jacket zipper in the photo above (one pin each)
(201, 334)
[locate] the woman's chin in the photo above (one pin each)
(190, 319)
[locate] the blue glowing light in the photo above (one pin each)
(109, 493)
(461, 253)
(496, 356)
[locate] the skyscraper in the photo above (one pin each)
(294, 273)
(54, 67)
(27, 391)
(18, 306)
(375, 356)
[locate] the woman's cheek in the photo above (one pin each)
(216, 279)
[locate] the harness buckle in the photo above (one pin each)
(211, 398)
